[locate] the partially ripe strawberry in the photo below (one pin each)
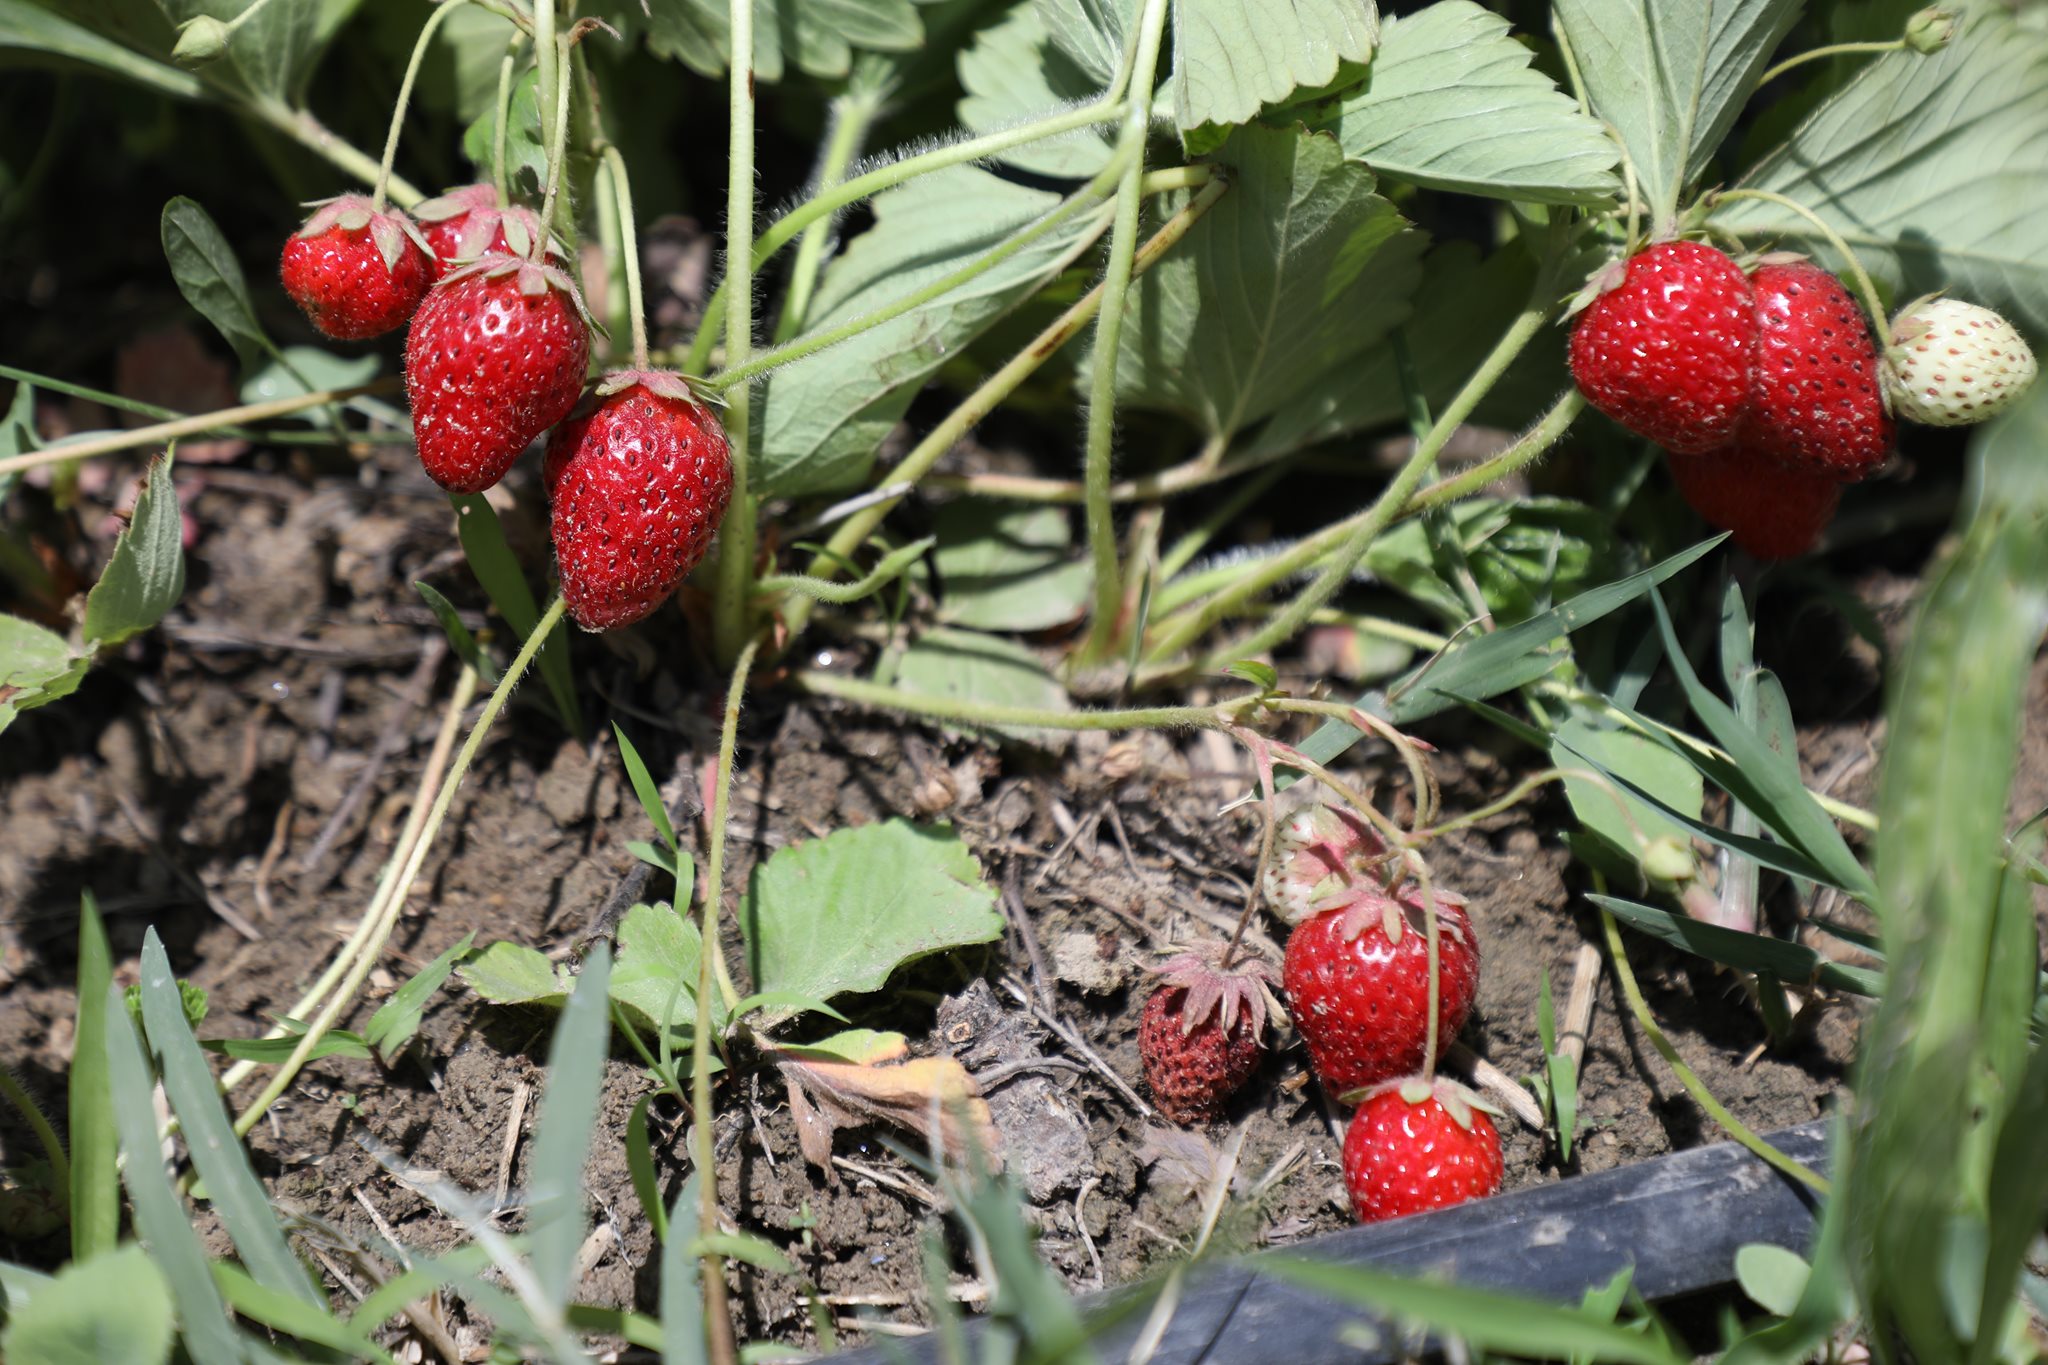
(1773, 511)
(1199, 1039)
(639, 485)
(1816, 405)
(497, 355)
(1952, 363)
(466, 223)
(1357, 981)
(357, 272)
(1669, 351)
(1321, 856)
(1414, 1146)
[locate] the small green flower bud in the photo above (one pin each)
(200, 41)
(1931, 29)
(1665, 859)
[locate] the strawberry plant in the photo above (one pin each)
(996, 377)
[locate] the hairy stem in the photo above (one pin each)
(192, 426)
(629, 250)
(553, 57)
(1872, 301)
(502, 119)
(853, 115)
(412, 71)
(732, 613)
(1832, 50)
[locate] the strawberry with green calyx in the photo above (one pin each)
(1817, 405)
(1416, 1145)
(1320, 857)
(1667, 344)
(1357, 978)
(1772, 510)
(1952, 364)
(497, 354)
(638, 486)
(1200, 1037)
(357, 270)
(467, 223)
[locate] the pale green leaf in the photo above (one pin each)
(825, 415)
(1454, 104)
(1933, 169)
(209, 276)
(820, 35)
(26, 27)
(67, 1322)
(555, 1216)
(146, 576)
(512, 974)
(1771, 1275)
(656, 976)
(1014, 74)
(325, 369)
(1644, 762)
(1008, 568)
(1670, 76)
(1233, 57)
(1296, 272)
(398, 1019)
(273, 50)
(1090, 33)
(36, 667)
(840, 914)
(966, 666)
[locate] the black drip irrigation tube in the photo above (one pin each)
(1676, 1220)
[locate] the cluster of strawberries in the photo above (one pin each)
(1765, 387)
(498, 352)
(1357, 980)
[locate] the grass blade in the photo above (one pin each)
(645, 788)
(159, 1214)
(640, 1165)
(682, 1304)
(554, 1206)
(289, 1315)
(95, 1147)
(491, 559)
(1783, 958)
(231, 1186)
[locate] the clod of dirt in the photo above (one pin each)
(1092, 962)
(1045, 1137)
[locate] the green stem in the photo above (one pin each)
(629, 248)
(500, 127)
(813, 342)
(1733, 1126)
(412, 71)
(1872, 301)
(853, 116)
(345, 993)
(1525, 451)
(548, 72)
(17, 1094)
(984, 400)
(1390, 503)
(731, 609)
(191, 426)
(1116, 282)
(246, 15)
(1833, 50)
(556, 58)
(310, 132)
(711, 952)
(839, 196)
(1196, 538)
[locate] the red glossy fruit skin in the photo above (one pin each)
(1402, 1158)
(1671, 352)
(339, 279)
(638, 487)
(1192, 1074)
(445, 235)
(1817, 403)
(488, 369)
(1773, 510)
(1362, 1006)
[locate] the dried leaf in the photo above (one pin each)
(825, 1096)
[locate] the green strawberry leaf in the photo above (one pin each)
(824, 416)
(658, 963)
(1234, 57)
(1014, 73)
(1454, 104)
(66, 1322)
(146, 576)
(1008, 567)
(1671, 77)
(1291, 276)
(513, 974)
(209, 276)
(967, 666)
(841, 914)
(1090, 33)
(398, 1019)
(36, 667)
(1933, 169)
(27, 27)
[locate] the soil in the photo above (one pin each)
(227, 769)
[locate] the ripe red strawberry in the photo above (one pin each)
(1415, 1146)
(1357, 981)
(1816, 404)
(1774, 511)
(1200, 1036)
(1669, 352)
(496, 355)
(464, 224)
(639, 485)
(358, 272)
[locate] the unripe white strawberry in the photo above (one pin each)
(1952, 363)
